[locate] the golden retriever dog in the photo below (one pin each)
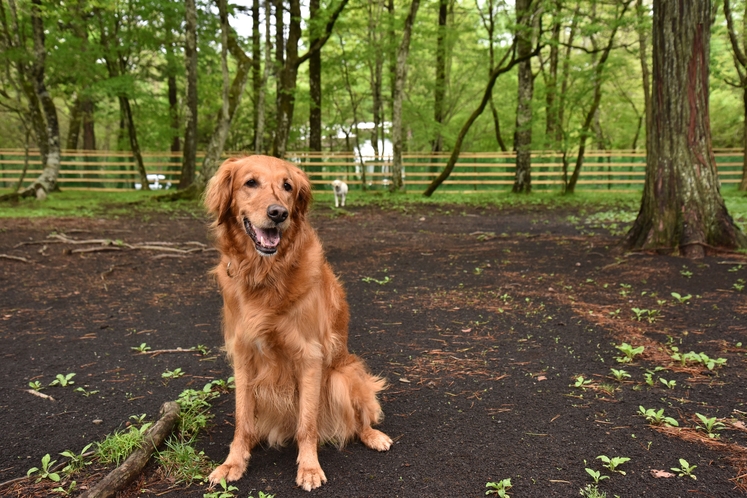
(285, 322)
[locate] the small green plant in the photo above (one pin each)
(685, 272)
(668, 383)
(142, 348)
(499, 488)
(656, 417)
(262, 494)
(172, 374)
(681, 299)
(639, 313)
(76, 461)
(580, 382)
(710, 425)
(626, 289)
(596, 475)
(592, 491)
(63, 380)
(683, 358)
(226, 491)
(629, 352)
(202, 349)
(195, 409)
(685, 469)
(36, 385)
(739, 285)
(182, 463)
(613, 463)
(66, 492)
(620, 374)
(85, 393)
(385, 280)
(45, 471)
(649, 378)
(709, 363)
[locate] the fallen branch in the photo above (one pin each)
(41, 395)
(15, 258)
(125, 473)
(163, 351)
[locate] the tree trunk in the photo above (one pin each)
(440, 81)
(740, 63)
(173, 94)
(231, 97)
(190, 134)
(261, 119)
(497, 126)
(643, 30)
(375, 8)
(315, 85)
(494, 74)
(551, 77)
(570, 186)
(682, 211)
(124, 103)
(256, 68)
(399, 92)
(89, 129)
(47, 181)
(73, 130)
(523, 133)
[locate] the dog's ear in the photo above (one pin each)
(303, 192)
(219, 191)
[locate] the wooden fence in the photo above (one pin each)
(617, 170)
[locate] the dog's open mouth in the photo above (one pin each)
(265, 240)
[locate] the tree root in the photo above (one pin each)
(120, 477)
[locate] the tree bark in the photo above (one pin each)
(173, 95)
(189, 158)
(88, 107)
(375, 8)
(399, 92)
(124, 103)
(256, 68)
(120, 477)
(73, 129)
(551, 78)
(682, 211)
(261, 112)
(523, 131)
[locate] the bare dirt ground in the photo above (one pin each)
(482, 320)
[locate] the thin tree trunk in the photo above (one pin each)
(523, 132)
(682, 210)
(399, 92)
(740, 62)
(560, 125)
(354, 106)
(89, 129)
(189, 159)
(440, 80)
(315, 86)
(497, 126)
(495, 73)
(551, 77)
(124, 103)
(261, 113)
(375, 8)
(73, 130)
(586, 126)
(173, 94)
(256, 68)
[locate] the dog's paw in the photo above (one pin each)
(227, 471)
(310, 477)
(376, 440)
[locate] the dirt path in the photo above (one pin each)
(482, 320)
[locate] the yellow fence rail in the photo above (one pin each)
(616, 170)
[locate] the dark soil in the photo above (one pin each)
(481, 320)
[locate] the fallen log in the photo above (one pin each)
(125, 473)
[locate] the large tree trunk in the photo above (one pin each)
(189, 159)
(682, 210)
(523, 132)
(399, 92)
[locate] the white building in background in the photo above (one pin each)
(366, 157)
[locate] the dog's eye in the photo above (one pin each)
(288, 187)
(251, 183)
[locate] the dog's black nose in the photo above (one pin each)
(277, 213)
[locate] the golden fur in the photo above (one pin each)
(285, 322)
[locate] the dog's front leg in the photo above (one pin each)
(245, 434)
(310, 474)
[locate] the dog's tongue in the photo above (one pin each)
(267, 237)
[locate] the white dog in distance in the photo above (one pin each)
(341, 190)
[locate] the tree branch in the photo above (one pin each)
(327, 33)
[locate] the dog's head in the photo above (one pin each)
(263, 196)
